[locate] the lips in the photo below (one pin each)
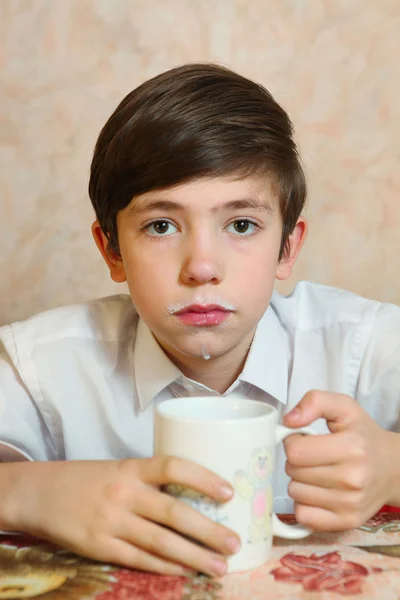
(203, 316)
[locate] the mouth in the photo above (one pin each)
(203, 315)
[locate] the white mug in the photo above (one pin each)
(235, 439)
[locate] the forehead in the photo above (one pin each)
(211, 193)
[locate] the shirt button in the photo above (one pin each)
(189, 387)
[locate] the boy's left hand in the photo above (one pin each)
(340, 479)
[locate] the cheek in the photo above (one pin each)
(256, 260)
(147, 264)
(150, 277)
(255, 277)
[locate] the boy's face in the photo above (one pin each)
(200, 260)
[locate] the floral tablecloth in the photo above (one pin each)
(361, 563)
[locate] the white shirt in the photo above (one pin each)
(81, 382)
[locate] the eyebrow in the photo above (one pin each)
(138, 208)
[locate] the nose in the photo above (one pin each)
(202, 262)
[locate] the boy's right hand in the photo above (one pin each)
(114, 511)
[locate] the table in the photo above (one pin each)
(361, 563)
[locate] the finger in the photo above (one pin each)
(115, 550)
(162, 470)
(340, 411)
(324, 477)
(329, 477)
(166, 544)
(320, 519)
(317, 450)
(123, 553)
(337, 501)
(177, 515)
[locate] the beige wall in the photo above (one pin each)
(65, 64)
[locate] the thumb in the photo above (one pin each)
(340, 411)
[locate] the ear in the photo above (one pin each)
(296, 242)
(112, 259)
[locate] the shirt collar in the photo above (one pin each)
(267, 362)
(266, 365)
(154, 371)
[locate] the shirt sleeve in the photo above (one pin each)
(378, 389)
(23, 432)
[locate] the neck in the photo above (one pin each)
(217, 373)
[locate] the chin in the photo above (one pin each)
(202, 347)
(194, 344)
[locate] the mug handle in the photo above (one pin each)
(280, 529)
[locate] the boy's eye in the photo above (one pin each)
(242, 227)
(160, 228)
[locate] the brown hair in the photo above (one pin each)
(197, 120)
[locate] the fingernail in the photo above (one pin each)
(294, 414)
(232, 544)
(219, 566)
(226, 492)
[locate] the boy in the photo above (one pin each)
(198, 193)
